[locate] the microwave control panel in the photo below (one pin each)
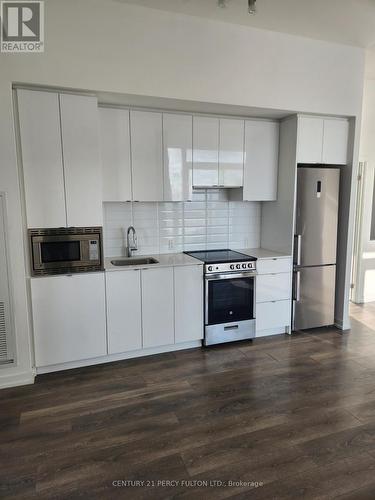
(94, 250)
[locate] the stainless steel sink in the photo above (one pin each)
(145, 261)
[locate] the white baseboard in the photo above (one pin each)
(118, 357)
(15, 380)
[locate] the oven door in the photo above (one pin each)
(230, 298)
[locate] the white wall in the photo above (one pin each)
(110, 46)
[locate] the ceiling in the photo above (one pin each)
(350, 22)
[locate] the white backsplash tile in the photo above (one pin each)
(207, 222)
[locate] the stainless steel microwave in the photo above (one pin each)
(66, 250)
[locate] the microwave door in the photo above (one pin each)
(52, 254)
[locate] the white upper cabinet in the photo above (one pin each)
(82, 162)
(115, 150)
(335, 141)
(178, 156)
(310, 139)
(42, 159)
(147, 155)
(205, 151)
(157, 307)
(322, 140)
(261, 160)
(231, 153)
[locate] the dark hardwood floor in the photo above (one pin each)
(294, 414)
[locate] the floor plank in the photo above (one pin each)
(295, 414)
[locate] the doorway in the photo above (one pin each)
(363, 266)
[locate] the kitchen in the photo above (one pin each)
(155, 225)
(156, 159)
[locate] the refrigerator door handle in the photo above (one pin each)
(297, 286)
(297, 249)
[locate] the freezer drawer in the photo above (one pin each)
(314, 297)
(316, 217)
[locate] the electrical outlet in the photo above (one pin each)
(246, 243)
(170, 244)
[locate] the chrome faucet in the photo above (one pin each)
(131, 248)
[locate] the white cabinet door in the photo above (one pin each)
(205, 151)
(271, 266)
(69, 318)
(115, 149)
(82, 162)
(124, 322)
(273, 315)
(178, 146)
(310, 139)
(261, 160)
(335, 141)
(231, 153)
(271, 287)
(157, 307)
(188, 296)
(39, 120)
(147, 155)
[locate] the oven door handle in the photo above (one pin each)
(228, 276)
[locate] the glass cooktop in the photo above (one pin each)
(219, 256)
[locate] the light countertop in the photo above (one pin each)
(263, 253)
(164, 260)
(181, 259)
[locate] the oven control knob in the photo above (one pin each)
(243, 266)
(232, 266)
(249, 266)
(238, 266)
(210, 268)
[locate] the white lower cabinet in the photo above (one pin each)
(124, 311)
(188, 296)
(273, 296)
(157, 307)
(273, 314)
(272, 266)
(154, 307)
(69, 318)
(270, 287)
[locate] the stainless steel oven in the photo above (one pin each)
(229, 307)
(66, 250)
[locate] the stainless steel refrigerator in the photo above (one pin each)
(315, 247)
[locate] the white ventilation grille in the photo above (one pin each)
(3, 334)
(6, 330)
